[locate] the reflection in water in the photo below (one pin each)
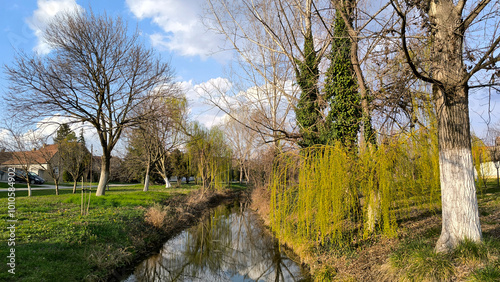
(228, 246)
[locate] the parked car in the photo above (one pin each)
(33, 177)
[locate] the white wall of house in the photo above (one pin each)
(488, 170)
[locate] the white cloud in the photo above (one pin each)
(48, 127)
(181, 22)
(197, 95)
(47, 10)
(214, 85)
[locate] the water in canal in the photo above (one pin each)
(229, 245)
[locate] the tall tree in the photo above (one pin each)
(348, 10)
(308, 111)
(96, 73)
(448, 24)
(341, 90)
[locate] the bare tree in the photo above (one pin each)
(269, 37)
(242, 141)
(19, 145)
(97, 73)
(452, 69)
(162, 132)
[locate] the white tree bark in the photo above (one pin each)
(103, 181)
(146, 182)
(460, 219)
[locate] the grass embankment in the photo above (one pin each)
(410, 255)
(54, 242)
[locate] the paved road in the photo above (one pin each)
(52, 187)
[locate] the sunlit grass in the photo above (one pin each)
(416, 260)
(54, 242)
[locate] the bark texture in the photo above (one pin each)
(460, 218)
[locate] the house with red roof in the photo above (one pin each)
(37, 161)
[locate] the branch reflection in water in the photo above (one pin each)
(229, 245)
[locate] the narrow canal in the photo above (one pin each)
(228, 245)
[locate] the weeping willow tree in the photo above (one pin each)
(315, 194)
(326, 194)
(211, 154)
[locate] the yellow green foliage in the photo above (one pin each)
(480, 155)
(330, 193)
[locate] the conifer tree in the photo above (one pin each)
(64, 132)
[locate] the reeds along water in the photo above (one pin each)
(331, 193)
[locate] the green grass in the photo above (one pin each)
(471, 252)
(415, 258)
(490, 273)
(55, 243)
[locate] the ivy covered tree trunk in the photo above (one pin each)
(341, 91)
(307, 111)
(345, 10)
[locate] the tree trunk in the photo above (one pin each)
(29, 188)
(74, 186)
(167, 183)
(373, 211)
(367, 134)
(103, 180)
(56, 184)
(460, 216)
(241, 173)
(146, 180)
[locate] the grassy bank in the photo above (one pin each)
(410, 255)
(54, 242)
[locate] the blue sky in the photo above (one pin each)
(172, 27)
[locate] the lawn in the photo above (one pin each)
(54, 242)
